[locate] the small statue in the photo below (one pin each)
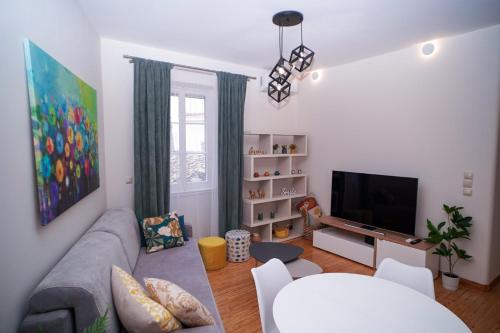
(260, 216)
(252, 194)
(283, 149)
(277, 173)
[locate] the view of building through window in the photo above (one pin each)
(188, 153)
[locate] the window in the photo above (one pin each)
(190, 141)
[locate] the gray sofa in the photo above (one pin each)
(78, 289)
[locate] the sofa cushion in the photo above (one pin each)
(122, 223)
(186, 230)
(81, 281)
(162, 233)
(137, 312)
(184, 306)
(184, 267)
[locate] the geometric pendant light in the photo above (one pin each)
(300, 58)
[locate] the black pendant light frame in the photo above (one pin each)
(300, 58)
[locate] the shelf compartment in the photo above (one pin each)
(296, 231)
(257, 141)
(260, 184)
(298, 183)
(271, 165)
(298, 163)
(286, 139)
(264, 231)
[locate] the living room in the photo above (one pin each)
(405, 94)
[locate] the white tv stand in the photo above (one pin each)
(347, 239)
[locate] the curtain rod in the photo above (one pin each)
(131, 59)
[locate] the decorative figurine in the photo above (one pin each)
(275, 148)
(260, 216)
(251, 194)
(251, 151)
(283, 149)
(293, 148)
(277, 173)
(299, 171)
(266, 174)
(261, 194)
(285, 191)
(256, 174)
(293, 172)
(272, 214)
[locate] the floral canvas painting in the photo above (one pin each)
(64, 129)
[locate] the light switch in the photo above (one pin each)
(468, 175)
(467, 183)
(467, 192)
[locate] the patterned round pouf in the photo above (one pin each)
(238, 244)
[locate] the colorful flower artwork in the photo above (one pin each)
(64, 125)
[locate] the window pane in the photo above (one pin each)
(174, 137)
(195, 138)
(174, 108)
(196, 168)
(195, 110)
(174, 168)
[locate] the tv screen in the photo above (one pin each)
(386, 202)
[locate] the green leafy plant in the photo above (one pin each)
(446, 232)
(99, 325)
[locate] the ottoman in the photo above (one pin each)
(238, 244)
(213, 252)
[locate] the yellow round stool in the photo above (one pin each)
(213, 252)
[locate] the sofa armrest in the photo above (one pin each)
(53, 321)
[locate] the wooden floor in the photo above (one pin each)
(234, 292)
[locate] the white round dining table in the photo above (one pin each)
(340, 302)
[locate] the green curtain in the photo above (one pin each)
(231, 91)
(151, 137)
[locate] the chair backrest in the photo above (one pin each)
(417, 278)
(269, 279)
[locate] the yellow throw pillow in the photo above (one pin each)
(184, 306)
(138, 312)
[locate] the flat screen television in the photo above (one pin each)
(378, 201)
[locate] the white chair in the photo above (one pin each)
(269, 279)
(417, 278)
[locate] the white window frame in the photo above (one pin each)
(183, 90)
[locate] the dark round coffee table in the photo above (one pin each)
(265, 251)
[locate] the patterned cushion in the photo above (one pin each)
(185, 233)
(138, 312)
(162, 232)
(179, 302)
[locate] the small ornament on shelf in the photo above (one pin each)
(277, 173)
(272, 214)
(293, 171)
(256, 175)
(253, 151)
(261, 194)
(275, 148)
(252, 194)
(285, 191)
(299, 171)
(283, 149)
(293, 148)
(260, 216)
(266, 174)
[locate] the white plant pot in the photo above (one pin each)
(450, 282)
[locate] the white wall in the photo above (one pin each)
(27, 250)
(401, 114)
(117, 78)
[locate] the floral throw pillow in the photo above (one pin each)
(162, 233)
(184, 306)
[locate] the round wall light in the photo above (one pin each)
(428, 49)
(315, 76)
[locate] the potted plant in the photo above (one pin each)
(275, 148)
(445, 233)
(293, 148)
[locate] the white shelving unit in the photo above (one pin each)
(273, 201)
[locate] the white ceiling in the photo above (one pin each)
(241, 32)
